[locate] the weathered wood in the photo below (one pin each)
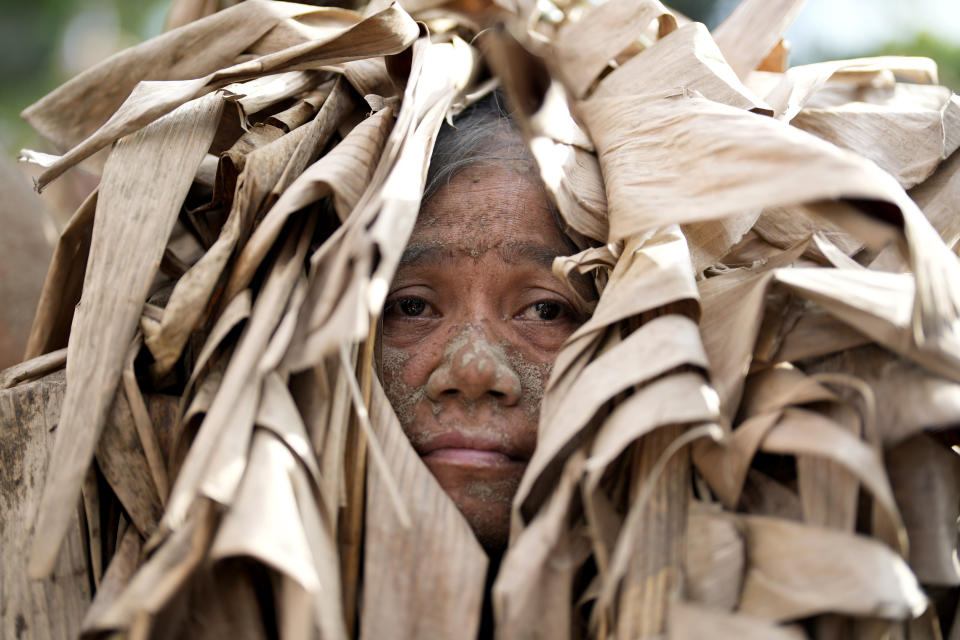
(53, 607)
(29, 415)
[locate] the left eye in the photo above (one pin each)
(548, 310)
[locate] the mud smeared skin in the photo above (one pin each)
(533, 379)
(471, 364)
(507, 361)
(493, 492)
(403, 398)
(474, 320)
(483, 498)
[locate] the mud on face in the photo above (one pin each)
(472, 324)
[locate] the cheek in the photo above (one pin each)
(403, 382)
(533, 373)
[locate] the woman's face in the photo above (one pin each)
(472, 325)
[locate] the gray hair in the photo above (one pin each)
(484, 133)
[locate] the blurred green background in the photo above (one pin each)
(44, 42)
(835, 29)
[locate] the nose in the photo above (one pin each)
(475, 367)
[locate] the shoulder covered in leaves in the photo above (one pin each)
(754, 436)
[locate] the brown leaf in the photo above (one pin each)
(800, 83)
(55, 605)
(824, 571)
(407, 571)
(265, 522)
(686, 61)
(215, 462)
(533, 590)
(136, 213)
(938, 197)
(64, 282)
(926, 482)
(80, 106)
(389, 31)
(907, 130)
(263, 168)
(344, 171)
(586, 47)
(714, 561)
(752, 30)
(689, 622)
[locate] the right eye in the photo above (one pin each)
(408, 306)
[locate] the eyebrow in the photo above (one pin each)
(538, 254)
(416, 255)
(430, 254)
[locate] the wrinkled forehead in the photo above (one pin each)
(509, 252)
(487, 207)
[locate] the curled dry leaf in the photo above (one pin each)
(76, 109)
(389, 31)
(778, 587)
(752, 30)
(925, 480)
(436, 560)
(715, 559)
(690, 621)
(907, 129)
(586, 47)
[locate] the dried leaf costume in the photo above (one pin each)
(750, 438)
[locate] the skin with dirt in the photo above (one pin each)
(473, 323)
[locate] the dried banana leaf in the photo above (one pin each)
(409, 569)
(688, 54)
(938, 196)
(136, 215)
(825, 571)
(64, 283)
(76, 109)
(690, 621)
(926, 477)
(907, 131)
(387, 32)
(586, 47)
(752, 30)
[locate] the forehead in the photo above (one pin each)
(486, 207)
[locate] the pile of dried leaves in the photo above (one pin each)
(751, 438)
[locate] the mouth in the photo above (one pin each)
(470, 457)
(472, 451)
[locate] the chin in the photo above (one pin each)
(484, 497)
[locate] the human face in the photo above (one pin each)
(472, 324)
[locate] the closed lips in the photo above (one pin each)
(455, 446)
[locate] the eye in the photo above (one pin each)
(547, 322)
(548, 310)
(408, 306)
(408, 317)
